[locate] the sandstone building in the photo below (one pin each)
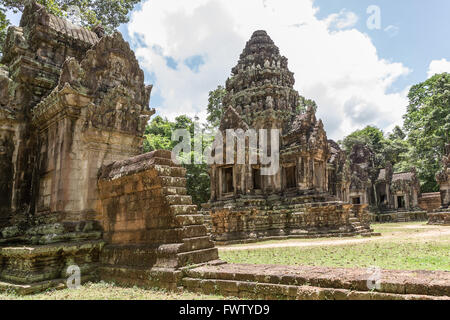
(247, 205)
(73, 110)
(390, 196)
(442, 215)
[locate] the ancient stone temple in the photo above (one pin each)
(442, 215)
(338, 172)
(390, 196)
(362, 172)
(294, 201)
(73, 104)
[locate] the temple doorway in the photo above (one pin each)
(227, 180)
(291, 177)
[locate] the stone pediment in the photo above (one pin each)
(232, 120)
(110, 64)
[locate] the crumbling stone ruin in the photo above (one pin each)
(390, 196)
(362, 171)
(442, 215)
(73, 104)
(246, 205)
(338, 172)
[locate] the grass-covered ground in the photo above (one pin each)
(107, 291)
(409, 246)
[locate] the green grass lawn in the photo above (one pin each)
(403, 250)
(107, 291)
(386, 229)
(406, 255)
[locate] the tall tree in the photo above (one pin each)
(394, 148)
(427, 124)
(215, 106)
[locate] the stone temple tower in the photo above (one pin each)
(246, 202)
(261, 86)
(260, 95)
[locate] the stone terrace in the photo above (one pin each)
(315, 283)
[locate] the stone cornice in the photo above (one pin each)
(65, 100)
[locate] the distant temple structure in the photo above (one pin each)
(441, 216)
(391, 196)
(294, 201)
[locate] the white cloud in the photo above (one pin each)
(438, 66)
(340, 69)
(342, 20)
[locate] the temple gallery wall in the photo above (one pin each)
(75, 188)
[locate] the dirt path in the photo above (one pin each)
(432, 233)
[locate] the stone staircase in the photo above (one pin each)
(170, 233)
(197, 247)
(314, 283)
(401, 217)
(359, 228)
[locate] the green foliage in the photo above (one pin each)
(158, 136)
(427, 124)
(304, 104)
(394, 149)
(370, 136)
(4, 23)
(215, 107)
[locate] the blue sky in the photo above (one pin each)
(423, 31)
(356, 75)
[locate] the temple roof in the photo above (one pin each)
(403, 176)
(36, 14)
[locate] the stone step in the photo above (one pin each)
(183, 209)
(170, 191)
(191, 219)
(179, 200)
(279, 282)
(164, 162)
(198, 243)
(179, 172)
(168, 181)
(194, 231)
(197, 256)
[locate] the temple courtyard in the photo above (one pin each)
(402, 246)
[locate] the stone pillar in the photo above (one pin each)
(213, 178)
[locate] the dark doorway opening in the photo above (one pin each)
(256, 179)
(356, 200)
(227, 180)
(291, 177)
(401, 202)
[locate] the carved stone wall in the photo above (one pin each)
(441, 216)
(430, 201)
